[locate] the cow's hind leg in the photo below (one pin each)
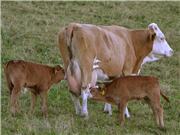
(77, 104)
(84, 93)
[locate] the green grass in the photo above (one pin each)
(29, 32)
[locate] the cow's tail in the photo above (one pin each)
(69, 37)
(164, 96)
(8, 79)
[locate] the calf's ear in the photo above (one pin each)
(103, 90)
(152, 33)
(56, 68)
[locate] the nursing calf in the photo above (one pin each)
(39, 78)
(123, 89)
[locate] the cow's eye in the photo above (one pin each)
(162, 39)
(93, 91)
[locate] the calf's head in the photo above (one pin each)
(59, 73)
(160, 46)
(97, 93)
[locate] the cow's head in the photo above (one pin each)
(160, 46)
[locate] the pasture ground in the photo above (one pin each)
(29, 32)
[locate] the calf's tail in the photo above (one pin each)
(164, 96)
(8, 79)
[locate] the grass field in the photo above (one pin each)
(29, 32)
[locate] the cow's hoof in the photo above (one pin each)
(84, 114)
(107, 111)
(127, 116)
(78, 111)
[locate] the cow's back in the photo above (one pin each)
(87, 42)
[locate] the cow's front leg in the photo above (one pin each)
(84, 93)
(77, 104)
(127, 113)
(107, 108)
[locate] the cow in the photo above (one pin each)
(39, 78)
(98, 54)
(124, 89)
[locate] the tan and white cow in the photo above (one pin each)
(98, 54)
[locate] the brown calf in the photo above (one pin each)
(39, 78)
(123, 89)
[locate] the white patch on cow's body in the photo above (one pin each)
(107, 108)
(94, 87)
(95, 66)
(96, 60)
(101, 77)
(133, 74)
(77, 104)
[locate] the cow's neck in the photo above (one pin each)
(142, 47)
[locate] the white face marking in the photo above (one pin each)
(89, 94)
(160, 46)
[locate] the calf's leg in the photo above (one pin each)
(44, 101)
(152, 105)
(159, 109)
(14, 95)
(122, 108)
(33, 99)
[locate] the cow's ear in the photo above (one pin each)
(153, 36)
(56, 68)
(152, 33)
